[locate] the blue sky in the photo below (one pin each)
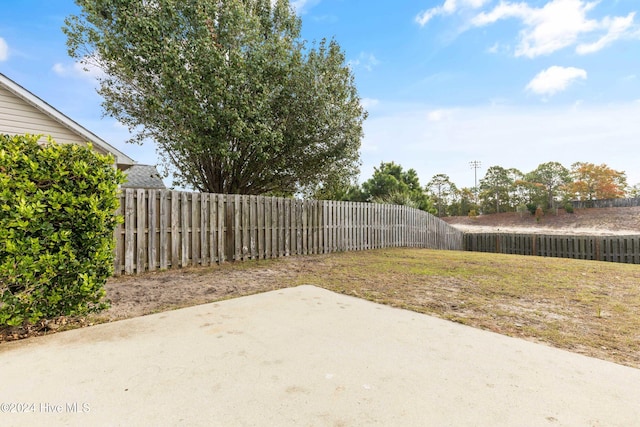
(508, 83)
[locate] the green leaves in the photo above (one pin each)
(228, 90)
(391, 184)
(57, 207)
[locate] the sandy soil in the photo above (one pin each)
(153, 292)
(595, 222)
(133, 296)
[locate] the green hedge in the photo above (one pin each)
(57, 216)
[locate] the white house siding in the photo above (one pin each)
(19, 117)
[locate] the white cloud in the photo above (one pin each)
(88, 70)
(555, 79)
(365, 60)
(369, 103)
(439, 115)
(556, 25)
(499, 48)
(4, 50)
(59, 69)
(448, 7)
(302, 6)
(616, 28)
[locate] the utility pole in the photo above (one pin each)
(475, 165)
(439, 199)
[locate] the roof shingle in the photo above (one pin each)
(143, 176)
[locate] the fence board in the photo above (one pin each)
(193, 222)
(118, 237)
(129, 231)
(204, 231)
(287, 227)
(246, 229)
(164, 229)
(280, 209)
(153, 241)
(221, 228)
(253, 213)
(185, 227)
(213, 229)
(175, 227)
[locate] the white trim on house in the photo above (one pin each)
(121, 159)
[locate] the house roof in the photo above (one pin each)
(19, 91)
(143, 176)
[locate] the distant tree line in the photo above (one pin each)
(550, 186)
(390, 183)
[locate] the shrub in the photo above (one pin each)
(532, 207)
(539, 214)
(568, 207)
(57, 216)
(521, 209)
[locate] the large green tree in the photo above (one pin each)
(463, 202)
(390, 183)
(500, 190)
(548, 184)
(227, 89)
(442, 191)
(495, 190)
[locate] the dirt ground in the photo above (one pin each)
(602, 221)
(153, 292)
(133, 296)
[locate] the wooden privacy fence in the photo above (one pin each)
(165, 229)
(624, 249)
(606, 203)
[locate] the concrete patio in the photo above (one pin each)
(305, 357)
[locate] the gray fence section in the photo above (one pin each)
(606, 203)
(168, 229)
(623, 249)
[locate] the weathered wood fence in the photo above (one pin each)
(168, 229)
(624, 249)
(606, 203)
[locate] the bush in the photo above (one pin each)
(532, 207)
(57, 216)
(568, 207)
(521, 209)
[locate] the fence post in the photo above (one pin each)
(229, 240)
(118, 239)
(129, 230)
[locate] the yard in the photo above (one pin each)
(587, 307)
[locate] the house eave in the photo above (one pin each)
(41, 105)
